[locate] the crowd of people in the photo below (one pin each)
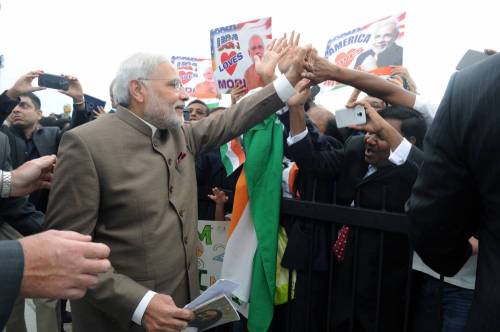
(117, 231)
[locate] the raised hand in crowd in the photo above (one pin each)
(296, 106)
(237, 93)
(61, 264)
(100, 111)
(220, 198)
(405, 75)
(163, 315)
(74, 91)
(319, 69)
(25, 84)
(298, 66)
(266, 66)
(33, 175)
(374, 102)
(293, 46)
(377, 125)
(353, 98)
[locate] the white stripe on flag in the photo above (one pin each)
(238, 258)
(233, 158)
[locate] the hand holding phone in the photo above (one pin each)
(350, 116)
(53, 81)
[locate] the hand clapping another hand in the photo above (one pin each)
(319, 69)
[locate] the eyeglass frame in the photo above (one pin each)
(173, 83)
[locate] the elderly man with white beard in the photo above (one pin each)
(134, 189)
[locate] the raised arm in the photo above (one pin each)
(320, 69)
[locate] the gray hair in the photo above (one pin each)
(139, 65)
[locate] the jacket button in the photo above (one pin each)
(181, 213)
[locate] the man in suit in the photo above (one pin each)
(29, 140)
(18, 218)
(366, 177)
(34, 266)
(456, 193)
(136, 192)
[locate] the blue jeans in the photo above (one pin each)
(454, 307)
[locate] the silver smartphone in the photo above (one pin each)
(350, 116)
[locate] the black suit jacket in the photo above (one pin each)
(349, 168)
(11, 274)
(457, 192)
(17, 211)
(46, 141)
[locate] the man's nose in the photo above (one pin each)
(183, 95)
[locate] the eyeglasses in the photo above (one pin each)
(174, 83)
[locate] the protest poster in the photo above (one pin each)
(233, 48)
(373, 47)
(196, 75)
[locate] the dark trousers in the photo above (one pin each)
(439, 310)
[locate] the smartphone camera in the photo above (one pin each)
(53, 82)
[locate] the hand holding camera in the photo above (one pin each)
(65, 84)
(25, 84)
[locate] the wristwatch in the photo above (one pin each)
(6, 184)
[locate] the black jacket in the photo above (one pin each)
(391, 184)
(46, 141)
(457, 192)
(18, 212)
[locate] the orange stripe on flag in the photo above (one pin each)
(238, 150)
(240, 202)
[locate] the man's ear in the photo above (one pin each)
(40, 114)
(136, 90)
(412, 140)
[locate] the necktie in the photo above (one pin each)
(340, 243)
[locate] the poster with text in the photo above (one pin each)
(196, 75)
(233, 49)
(373, 47)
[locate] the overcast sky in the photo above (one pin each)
(90, 38)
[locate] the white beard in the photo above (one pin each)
(160, 114)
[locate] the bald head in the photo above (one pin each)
(320, 116)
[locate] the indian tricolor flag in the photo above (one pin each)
(232, 155)
(250, 256)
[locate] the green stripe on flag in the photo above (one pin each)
(263, 168)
